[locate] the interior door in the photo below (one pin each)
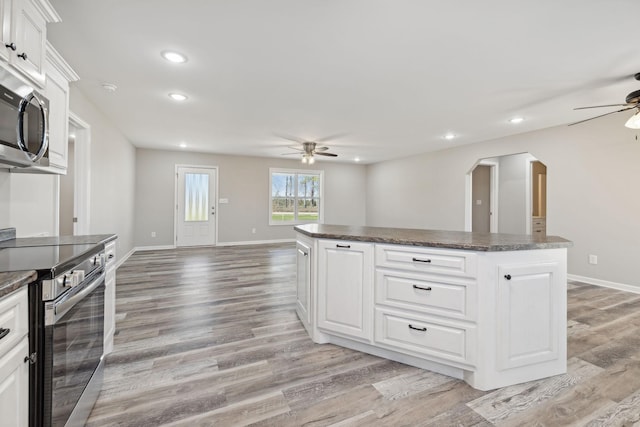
(196, 206)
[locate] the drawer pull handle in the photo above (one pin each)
(4, 332)
(421, 288)
(417, 329)
(343, 246)
(421, 260)
(507, 276)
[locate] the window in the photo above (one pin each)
(296, 197)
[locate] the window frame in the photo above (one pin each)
(296, 198)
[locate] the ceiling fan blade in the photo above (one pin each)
(602, 115)
(331, 137)
(296, 148)
(289, 137)
(322, 148)
(326, 154)
(601, 106)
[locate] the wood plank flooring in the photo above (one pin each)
(209, 337)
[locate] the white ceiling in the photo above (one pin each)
(394, 75)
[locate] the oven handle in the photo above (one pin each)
(61, 308)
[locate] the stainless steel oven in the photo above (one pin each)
(67, 339)
(73, 344)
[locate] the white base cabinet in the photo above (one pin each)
(491, 318)
(14, 366)
(110, 297)
(345, 288)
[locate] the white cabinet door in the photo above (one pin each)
(30, 35)
(345, 288)
(14, 386)
(5, 28)
(303, 279)
(530, 314)
(57, 92)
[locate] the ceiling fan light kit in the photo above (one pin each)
(310, 149)
(634, 121)
(632, 102)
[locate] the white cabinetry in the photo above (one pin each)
(14, 366)
(425, 303)
(110, 297)
(528, 332)
(24, 36)
(303, 282)
(492, 318)
(59, 74)
(345, 288)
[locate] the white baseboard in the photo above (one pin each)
(153, 248)
(605, 283)
(243, 243)
(256, 242)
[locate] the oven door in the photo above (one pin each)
(73, 348)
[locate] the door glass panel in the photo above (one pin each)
(196, 194)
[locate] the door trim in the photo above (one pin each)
(175, 201)
(82, 175)
(493, 198)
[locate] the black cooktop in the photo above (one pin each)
(48, 260)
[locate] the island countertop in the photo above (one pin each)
(12, 281)
(485, 242)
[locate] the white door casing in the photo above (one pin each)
(196, 208)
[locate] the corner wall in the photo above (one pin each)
(592, 199)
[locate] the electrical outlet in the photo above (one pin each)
(593, 259)
(153, 234)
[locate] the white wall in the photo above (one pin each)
(112, 182)
(512, 185)
(245, 182)
(28, 203)
(592, 179)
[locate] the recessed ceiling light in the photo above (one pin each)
(177, 96)
(516, 120)
(174, 57)
(357, 159)
(183, 145)
(449, 136)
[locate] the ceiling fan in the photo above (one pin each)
(632, 102)
(309, 149)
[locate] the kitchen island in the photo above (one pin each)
(486, 308)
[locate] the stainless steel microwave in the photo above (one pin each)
(24, 124)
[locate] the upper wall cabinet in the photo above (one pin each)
(59, 74)
(24, 36)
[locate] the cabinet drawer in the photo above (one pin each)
(420, 292)
(423, 336)
(14, 318)
(438, 261)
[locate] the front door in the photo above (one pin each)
(196, 206)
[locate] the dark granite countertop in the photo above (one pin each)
(57, 240)
(485, 242)
(10, 282)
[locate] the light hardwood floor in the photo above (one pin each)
(210, 337)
